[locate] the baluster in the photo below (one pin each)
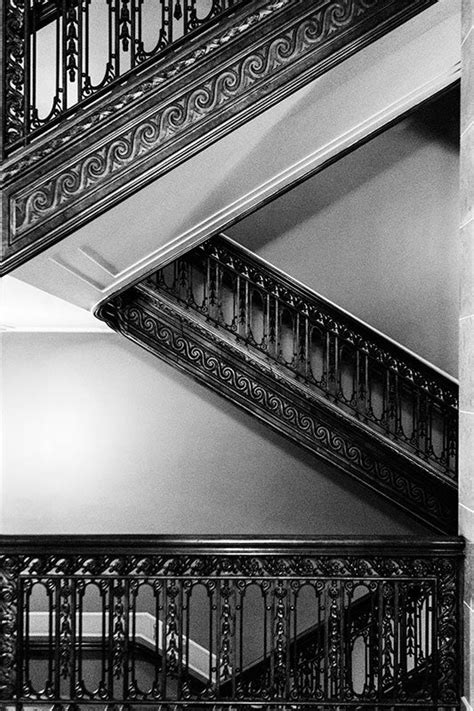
(159, 648)
(247, 310)
(168, 19)
(238, 664)
(334, 662)
(86, 78)
(225, 634)
(55, 586)
(186, 625)
(114, 7)
(23, 637)
(210, 691)
(387, 676)
(65, 641)
(452, 426)
(334, 370)
(429, 452)
(30, 64)
(295, 322)
(279, 639)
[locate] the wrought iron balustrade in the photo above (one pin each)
(206, 622)
(319, 345)
(61, 53)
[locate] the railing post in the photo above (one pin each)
(8, 626)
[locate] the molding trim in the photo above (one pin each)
(271, 189)
(173, 334)
(47, 197)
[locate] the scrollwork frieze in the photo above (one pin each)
(257, 386)
(151, 138)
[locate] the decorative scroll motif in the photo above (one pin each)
(341, 599)
(152, 121)
(95, 118)
(195, 105)
(9, 569)
(326, 349)
(15, 67)
(62, 34)
(165, 329)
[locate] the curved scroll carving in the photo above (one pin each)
(169, 332)
(152, 118)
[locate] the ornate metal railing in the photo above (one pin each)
(61, 53)
(338, 624)
(320, 346)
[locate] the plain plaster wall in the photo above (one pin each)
(102, 437)
(376, 232)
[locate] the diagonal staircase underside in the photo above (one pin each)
(166, 110)
(306, 368)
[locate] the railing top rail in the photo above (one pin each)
(231, 545)
(309, 294)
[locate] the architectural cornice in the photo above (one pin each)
(174, 109)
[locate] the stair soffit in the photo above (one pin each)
(52, 221)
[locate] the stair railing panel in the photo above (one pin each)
(61, 53)
(367, 624)
(321, 347)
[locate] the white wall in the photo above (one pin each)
(377, 232)
(102, 437)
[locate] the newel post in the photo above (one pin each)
(8, 626)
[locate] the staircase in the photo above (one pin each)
(306, 368)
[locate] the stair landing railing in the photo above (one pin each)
(323, 348)
(60, 54)
(341, 623)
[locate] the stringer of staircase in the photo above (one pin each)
(60, 175)
(306, 368)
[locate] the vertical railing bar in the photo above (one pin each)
(164, 681)
(435, 644)
(341, 666)
(396, 652)
(132, 33)
(29, 19)
(179, 632)
(80, 49)
(187, 627)
(218, 636)
(247, 310)
(117, 52)
(211, 632)
(64, 86)
(131, 656)
(380, 641)
(307, 348)
(157, 595)
(22, 640)
(326, 640)
(294, 665)
(126, 650)
(356, 398)
(110, 656)
(86, 79)
(277, 327)
(57, 628)
(72, 683)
